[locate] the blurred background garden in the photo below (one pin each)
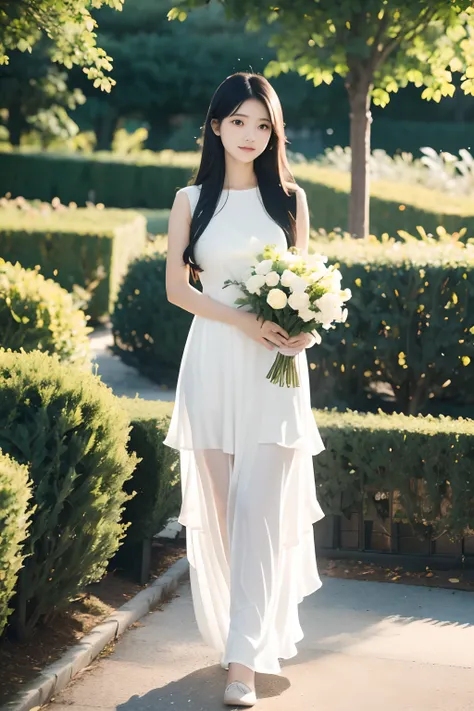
(101, 106)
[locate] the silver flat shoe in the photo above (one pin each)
(239, 694)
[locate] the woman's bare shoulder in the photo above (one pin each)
(190, 193)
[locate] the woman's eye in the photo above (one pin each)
(237, 122)
(265, 126)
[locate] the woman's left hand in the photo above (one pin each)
(299, 343)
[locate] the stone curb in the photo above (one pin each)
(57, 676)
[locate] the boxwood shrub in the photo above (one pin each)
(72, 433)
(409, 326)
(393, 205)
(87, 247)
(156, 477)
(146, 180)
(149, 332)
(150, 180)
(425, 462)
(38, 314)
(15, 513)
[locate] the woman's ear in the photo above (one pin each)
(216, 127)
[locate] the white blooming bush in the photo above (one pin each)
(296, 292)
(437, 171)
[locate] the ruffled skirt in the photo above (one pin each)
(249, 496)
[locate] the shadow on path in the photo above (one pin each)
(202, 690)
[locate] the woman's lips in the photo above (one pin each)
(247, 148)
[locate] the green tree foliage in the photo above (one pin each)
(377, 46)
(35, 94)
(67, 23)
(167, 70)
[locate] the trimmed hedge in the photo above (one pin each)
(71, 431)
(156, 477)
(409, 325)
(393, 206)
(149, 332)
(15, 494)
(38, 314)
(426, 462)
(116, 181)
(150, 180)
(155, 483)
(75, 247)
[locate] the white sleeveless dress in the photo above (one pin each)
(246, 452)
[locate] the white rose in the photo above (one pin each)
(264, 267)
(332, 280)
(307, 315)
(272, 279)
(298, 284)
(255, 283)
(277, 299)
(299, 300)
(345, 294)
(319, 270)
(330, 308)
(287, 278)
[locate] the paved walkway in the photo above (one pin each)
(123, 379)
(367, 647)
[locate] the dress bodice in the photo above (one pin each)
(239, 229)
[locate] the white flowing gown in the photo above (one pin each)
(246, 451)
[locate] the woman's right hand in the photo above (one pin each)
(268, 333)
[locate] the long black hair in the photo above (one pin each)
(274, 177)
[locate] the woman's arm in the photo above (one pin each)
(178, 289)
(180, 292)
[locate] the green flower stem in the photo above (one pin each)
(283, 372)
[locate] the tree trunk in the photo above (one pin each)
(361, 119)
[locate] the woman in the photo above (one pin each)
(246, 445)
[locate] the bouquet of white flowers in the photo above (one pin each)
(298, 293)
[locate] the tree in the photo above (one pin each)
(166, 70)
(377, 46)
(35, 93)
(67, 23)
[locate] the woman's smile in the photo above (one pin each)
(246, 148)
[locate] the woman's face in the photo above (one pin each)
(245, 134)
